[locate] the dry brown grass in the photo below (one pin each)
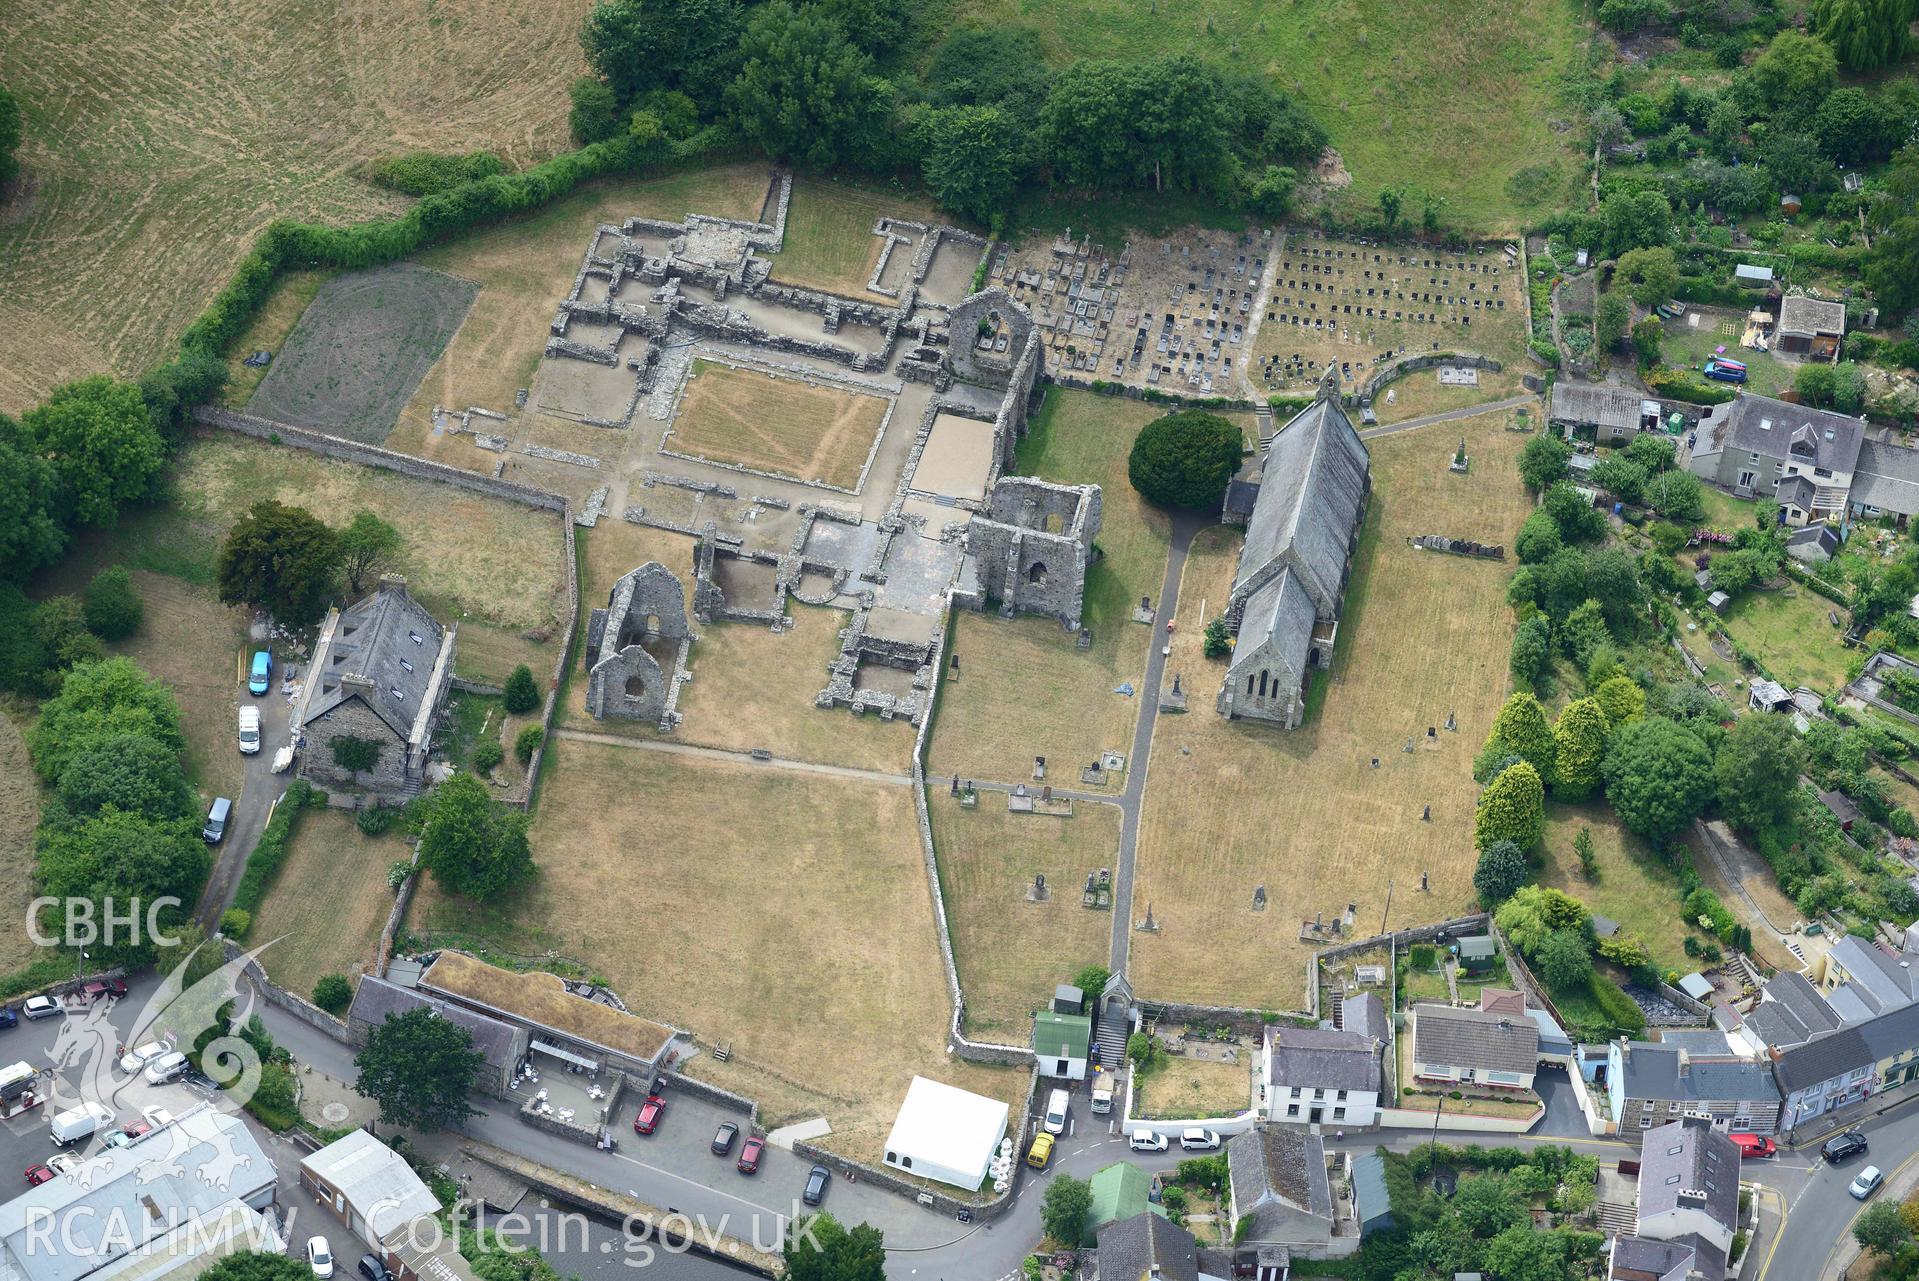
(19, 814)
(1420, 393)
(806, 431)
(785, 914)
(524, 268)
(1011, 952)
(1303, 812)
(1192, 1089)
(160, 139)
(542, 998)
(830, 243)
(269, 330)
(326, 908)
(1632, 885)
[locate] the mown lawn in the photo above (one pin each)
(1789, 631)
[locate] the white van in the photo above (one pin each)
(79, 1123)
(1198, 1140)
(1056, 1113)
(166, 1068)
(249, 730)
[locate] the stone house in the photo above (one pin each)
(636, 647)
(1285, 600)
(1473, 1047)
(558, 1021)
(502, 1045)
(1887, 482)
(1756, 446)
(1147, 1245)
(1614, 415)
(1810, 327)
(1276, 1178)
(1031, 548)
(1313, 1076)
(1649, 1084)
(381, 673)
(1688, 1206)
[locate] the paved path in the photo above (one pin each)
(737, 758)
(1185, 526)
(260, 787)
(1450, 415)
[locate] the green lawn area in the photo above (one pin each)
(1633, 887)
(1789, 632)
(1726, 513)
(1423, 985)
(1455, 97)
(1688, 348)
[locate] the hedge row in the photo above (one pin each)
(271, 853)
(1616, 1005)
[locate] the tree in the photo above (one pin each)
(1543, 461)
(103, 447)
(1584, 631)
(1864, 34)
(873, 25)
(1758, 769)
(972, 158)
(1092, 980)
(688, 45)
(258, 1265)
(1580, 738)
(9, 136)
(113, 609)
(1564, 961)
(1065, 1208)
(1615, 313)
(419, 1068)
(1621, 477)
(131, 862)
(367, 546)
(1796, 162)
(1535, 911)
(1588, 859)
(1521, 1254)
(1389, 206)
(805, 94)
(1500, 872)
(821, 1248)
(471, 843)
(31, 534)
(1881, 1230)
(527, 742)
(1521, 725)
(1793, 75)
(1215, 641)
(1621, 699)
(1659, 776)
(129, 772)
(1677, 495)
(595, 113)
(1648, 275)
(60, 626)
(1635, 220)
(1486, 1206)
(1646, 337)
(96, 701)
(333, 993)
(1185, 459)
(1271, 194)
(1612, 579)
(1854, 128)
(521, 694)
(1511, 808)
(1538, 538)
(1532, 650)
(1163, 123)
(354, 755)
(1578, 520)
(282, 559)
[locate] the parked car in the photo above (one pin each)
(1195, 1139)
(1843, 1147)
(723, 1138)
(749, 1162)
(816, 1180)
(102, 990)
(38, 1174)
(1041, 1152)
(129, 1134)
(260, 676)
(372, 1269)
(1147, 1141)
(651, 1112)
(1754, 1146)
(249, 730)
(1056, 1112)
(168, 1067)
(9, 1017)
(320, 1257)
(157, 1117)
(42, 1007)
(215, 828)
(1866, 1182)
(141, 1055)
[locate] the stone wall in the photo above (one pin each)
(1377, 380)
(1022, 565)
(353, 719)
(281, 999)
(718, 1097)
(1477, 923)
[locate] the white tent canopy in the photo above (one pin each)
(946, 1133)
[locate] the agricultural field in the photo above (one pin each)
(360, 350)
(326, 908)
(1454, 98)
(1231, 805)
(807, 431)
(830, 243)
(19, 815)
(143, 188)
(1017, 674)
(811, 953)
(1012, 952)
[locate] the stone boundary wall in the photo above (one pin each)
(1406, 938)
(1243, 1021)
(1425, 360)
(281, 999)
(1166, 400)
(710, 1093)
(1391, 1118)
(578, 1130)
(481, 688)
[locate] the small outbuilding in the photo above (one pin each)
(1477, 953)
(1062, 1044)
(946, 1134)
(1372, 1200)
(369, 1185)
(1814, 545)
(1768, 696)
(1841, 807)
(1752, 276)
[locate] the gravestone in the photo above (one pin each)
(1039, 892)
(1259, 898)
(956, 785)
(1452, 723)
(956, 670)
(1039, 768)
(1427, 817)
(1424, 886)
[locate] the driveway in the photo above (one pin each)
(260, 788)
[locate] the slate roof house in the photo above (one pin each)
(1147, 1246)
(1613, 414)
(1650, 1083)
(1887, 482)
(1314, 1076)
(1474, 1047)
(1688, 1207)
(503, 1045)
(381, 672)
(1284, 604)
(1276, 1176)
(1828, 1072)
(1810, 327)
(1754, 445)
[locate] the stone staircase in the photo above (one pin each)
(1110, 1035)
(1616, 1220)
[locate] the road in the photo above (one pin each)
(260, 788)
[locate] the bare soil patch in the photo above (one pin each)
(806, 431)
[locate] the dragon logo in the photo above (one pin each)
(196, 1018)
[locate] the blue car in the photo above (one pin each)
(262, 677)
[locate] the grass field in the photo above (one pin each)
(830, 243)
(1420, 393)
(782, 913)
(1017, 674)
(329, 903)
(1455, 98)
(19, 814)
(1011, 952)
(1187, 1089)
(524, 268)
(807, 431)
(283, 309)
(159, 140)
(1633, 886)
(1231, 805)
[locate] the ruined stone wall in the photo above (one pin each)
(1023, 566)
(989, 360)
(609, 687)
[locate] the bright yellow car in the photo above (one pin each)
(1041, 1152)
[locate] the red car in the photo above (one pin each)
(749, 1162)
(36, 1175)
(650, 1113)
(100, 991)
(1753, 1146)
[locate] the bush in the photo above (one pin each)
(487, 755)
(1421, 956)
(376, 821)
(595, 114)
(271, 852)
(113, 610)
(521, 694)
(1616, 1005)
(333, 993)
(1185, 459)
(426, 173)
(235, 922)
(528, 742)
